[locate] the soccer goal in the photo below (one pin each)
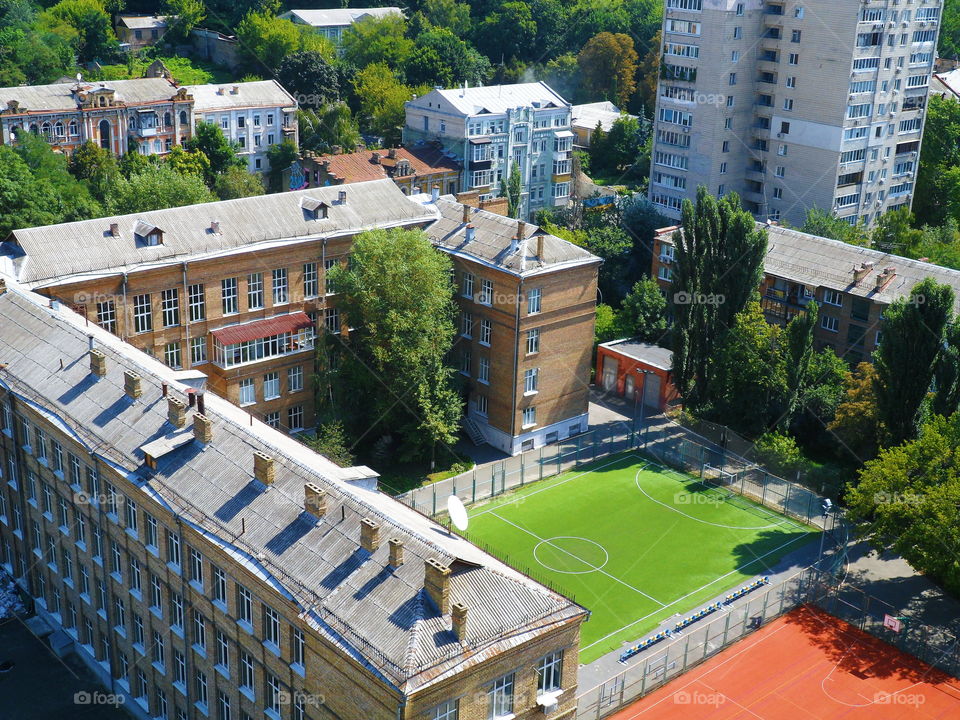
(717, 477)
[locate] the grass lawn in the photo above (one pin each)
(184, 70)
(633, 542)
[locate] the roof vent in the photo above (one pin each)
(314, 500)
(471, 233)
(342, 197)
(131, 384)
(235, 89)
(436, 581)
(376, 158)
(459, 621)
(263, 469)
(98, 363)
(369, 535)
(115, 229)
(884, 278)
(215, 227)
(202, 428)
(396, 552)
(219, 91)
(176, 412)
(434, 193)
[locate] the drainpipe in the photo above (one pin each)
(186, 315)
(516, 361)
(123, 327)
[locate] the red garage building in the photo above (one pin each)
(630, 367)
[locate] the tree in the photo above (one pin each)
(93, 34)
(310, 78)
(643, 314)
(618, 150)
(511, 187)
(51, 176)
(562, 73)
(155, 188)
(397, 297)
(611, 243)
(819, 397)
(236, 182)
(97, 166)
(441, 58)
(914, 331)
(894, 232)
(823, 224)
(649, 74)
(608, 67)
(331, 125)
(857, 424)
(606, 327)
(382, 99)
(188, 162)
(331, 441)
(210, 140)
(188, 14)
(937, 194)
(24, 201)
(266, 40)
(717, 267)
(908, 500)
(449, 14)
(378, 40)
(281, 157)
(508, 33)
(949, 42)
(946, 374)
(798, 356)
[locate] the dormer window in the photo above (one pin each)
(147, 234)
(313, 208)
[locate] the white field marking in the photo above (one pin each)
(828, 676)
(781, 519)
(549, 541)
(692, 592)
(696, 519)
(602, 572)
(516, 498)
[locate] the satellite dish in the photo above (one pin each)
(458, 513)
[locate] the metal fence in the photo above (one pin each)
(812, 586)
(663, 441)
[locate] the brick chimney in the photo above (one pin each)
(467, 212)
(521, 229)
(392, 153)
(540, 247)
(885, 278)
(131, 384)
(115, 229)
(98, 363)
(314, 500)
(376, 158)
(436, 582)
(861, 271)
(263, 469)
(176, 412)
(459, 621)
(342, 197)
(202, 428)
(396, 552)
(369, 535)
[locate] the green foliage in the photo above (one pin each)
(281, 157)
(310, 78)
(608, 67)
(332, 442)
(210, 140)
(948, 45)
(184, 70)
(908, 500)
(511, 187)
(820, 222)
(188, 14)
(157, 187)
(620, 150)
(188, 162)
(96, 166)
(894, 233)
(382, 97)
(89, 28)
(820, 395)
(798, 355)
(236, 182)
(397, 297)
(441, 58)
(857, 423)
(937, 195)
(378, 40)
(611, 243)
(780, 454)
(449, 14)
(266, 40)
(330, 125)
(606, 328)
(562, 73)
(508, 33)
(914, 332)
(643, 314)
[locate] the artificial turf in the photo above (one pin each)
(632, 542)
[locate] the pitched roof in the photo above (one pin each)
(142, 22)
(588, 115)
(35, 255)
(263, 328)
(822, 262)
(358, 166)
(380, 616)
(61, 97)
(221, 96)
(339, 17)
(492, 242)
(497, 99)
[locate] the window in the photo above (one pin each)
(549, 672)
(533, 301)
(297, 646)
(142, 314)
(331, 320)
(224, 703)
(482, 404)
(170, 307)
(201, 688)
(228, 294)
(500, 694)
(486, 292)
(788, 104)
(531, 380)
(179, 667)
(533, 341)
(248, 393)
(484, 373)
(310, 282)
(274, 693)
(295, 379)
(272, 419)
(795, 36)
(486, 331)
(254, 291)
(271, 386)
(156, 596)
(328, 265)
(830, 323)
(832, 297)
(448, 710)
(793, 59)
(199, 630)
(198, 350)
(280, 286)
(107, 316)
(173, 549)
(197, 303)
(196, 567)
(295, 418)
(466, 324)
(529, 417)
(467, 286)
(172, 356)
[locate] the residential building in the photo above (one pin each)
(418, 166)
(206, 566)
(852, 285)
(793, 105)
(527, 304)
(637, 372)
(154, 112)
(235, 289)
(493, 127)
(946, 84)
(254, 115)
(136, 32)
(586, 118)
(332, 22)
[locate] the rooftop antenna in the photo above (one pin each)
(458, 514)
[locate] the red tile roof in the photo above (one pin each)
(360, 166)
(267, 327)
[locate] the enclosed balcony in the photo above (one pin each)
(260, 340)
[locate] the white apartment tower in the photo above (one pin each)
(793, 104)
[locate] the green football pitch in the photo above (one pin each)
(633, 542)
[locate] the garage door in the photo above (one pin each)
(651, 391)
(609, 373)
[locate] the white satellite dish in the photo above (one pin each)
(458, 513)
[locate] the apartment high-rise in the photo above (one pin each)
(793, 104)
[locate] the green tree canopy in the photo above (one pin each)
(378, 40)
(236, 182)
(210, 140)
(823, 224)
(266, 40)
(281, 157)
(508, 33)
(157, 187)
(329, 126)
(511, 187)
(187, 13)
(310, 77)
(93, 36)
(937, 194)
(608, 67)
(643, 314)
(382, 97)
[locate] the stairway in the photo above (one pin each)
(473, 432)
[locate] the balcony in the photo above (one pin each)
(781, 309)
(260, 340)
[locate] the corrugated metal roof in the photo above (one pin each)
(589, 114)
(57, 251)
(655, 355)
(378, 615)
(142, 22)
(823, 262)
(339, 17)
(60, 97)
(492, 242)
(267, 327)
(497, 99)
(260, 93)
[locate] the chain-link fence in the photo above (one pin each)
(662, 441)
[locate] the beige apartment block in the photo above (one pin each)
(793, 104)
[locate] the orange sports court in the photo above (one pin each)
(806, 665)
